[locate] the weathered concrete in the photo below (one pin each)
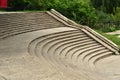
(47, 49)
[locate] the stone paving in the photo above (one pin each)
(48, 46)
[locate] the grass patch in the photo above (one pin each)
(113, 38)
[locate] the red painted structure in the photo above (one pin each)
(3, 3)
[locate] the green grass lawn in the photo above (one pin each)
(113, 38)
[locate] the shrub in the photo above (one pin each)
(77, 10)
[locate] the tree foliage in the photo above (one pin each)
(108, 6)
(76, 10)
(88, 12)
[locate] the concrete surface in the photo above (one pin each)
(38, 47)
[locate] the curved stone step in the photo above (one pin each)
(52, 62)
(50, 46)
(93, 51)
(69, 43)
(13, 24)
(47, 43)
(12, 32)
(77, 54)
(71, 49)
(65, 52)
(64, 42)
(43, 42)
(57, 62)
(89, 57)
(34, 42)
(47, 55)
(93, 60)
(47, 49)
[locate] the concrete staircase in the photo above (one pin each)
(48, 46)
(17, 23)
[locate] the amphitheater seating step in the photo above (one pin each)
(49, 46)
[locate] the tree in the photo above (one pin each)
(96, 3)
(108, 6)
